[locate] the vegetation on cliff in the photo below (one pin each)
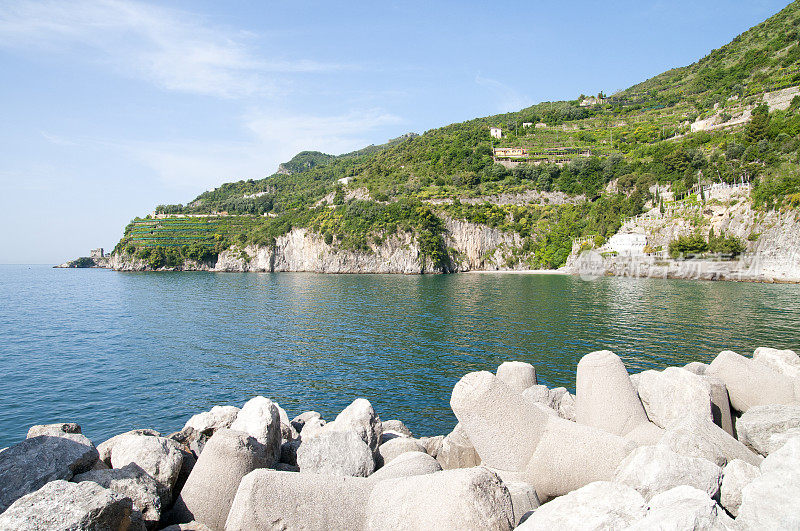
(609, 154)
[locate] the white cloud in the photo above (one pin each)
(275, 138)
(173, 49)
(507, 98)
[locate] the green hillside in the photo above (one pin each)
(633, 139)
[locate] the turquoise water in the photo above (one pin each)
(116, 351)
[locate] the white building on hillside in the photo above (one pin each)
(496, 132)
(627, 244)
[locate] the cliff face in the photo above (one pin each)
(476, 247)
(772, 239)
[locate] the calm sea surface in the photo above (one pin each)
(117, 351)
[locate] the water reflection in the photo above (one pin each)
(118, 351)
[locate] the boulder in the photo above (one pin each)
(759, 424)
(696, 367)
(132, 482)
(517, 375)
(472, 498)
(785, 458)
(211, 487)
(432, 445)
(776, 440)
(407, 464)
(300, 420)
(771, 501)
(394, 447)
(605, 397)
(652, 470)
(566, 403)
(684, 507)
(673, 395)
(360, 418)
(749, 382)
(342, 453)
(456, 450)
(736, 476)
(289, 452)
(312, 427)
(27, 466)
(596, 506)
(210, 421)
(540, 394)
(395, 427)
(54, 430)
(696, 437)
(260, 419)
(160, 457)
(269, 499)
(288, 433)
(786, 362)
(188, 526)
(64, 505)
(106, 448)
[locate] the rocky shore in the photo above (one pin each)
(697, 447)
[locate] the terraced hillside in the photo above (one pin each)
(718, 120)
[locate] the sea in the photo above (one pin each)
(115, 351)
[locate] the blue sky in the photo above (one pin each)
(111, 107)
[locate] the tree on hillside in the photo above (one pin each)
(757, 128)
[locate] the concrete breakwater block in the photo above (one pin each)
(553, 454)
(606, 399)
(209, 491)
(751, 383)
(517, 375)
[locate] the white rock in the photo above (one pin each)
(735, 476)
(696, 367)
(260, 418)
(786, 362)
(394, 447)
(288, 433)
(696, 437)
(540, 394)
(69, 506)
(652, 470)
(523, 499)
(160, 457)
(457, 451)
(396, 428)
(105, 449)
(360, 418)
(720, 404)
(312, 427)
(472, 498)
(771, 501)
(407, 464)
(342, 453)
(758, 425)
(517, 375)
(596, 506)
(218, 417)
(776, 440)
(54, 430)
(566, 404)
(433, 445)
(300, 420)
(132, 482)
(268, 499)
(673, 395)
(27, 466)
(784, 459)
(684, 508)
(208, 494)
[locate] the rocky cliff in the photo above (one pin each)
(472, 247)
